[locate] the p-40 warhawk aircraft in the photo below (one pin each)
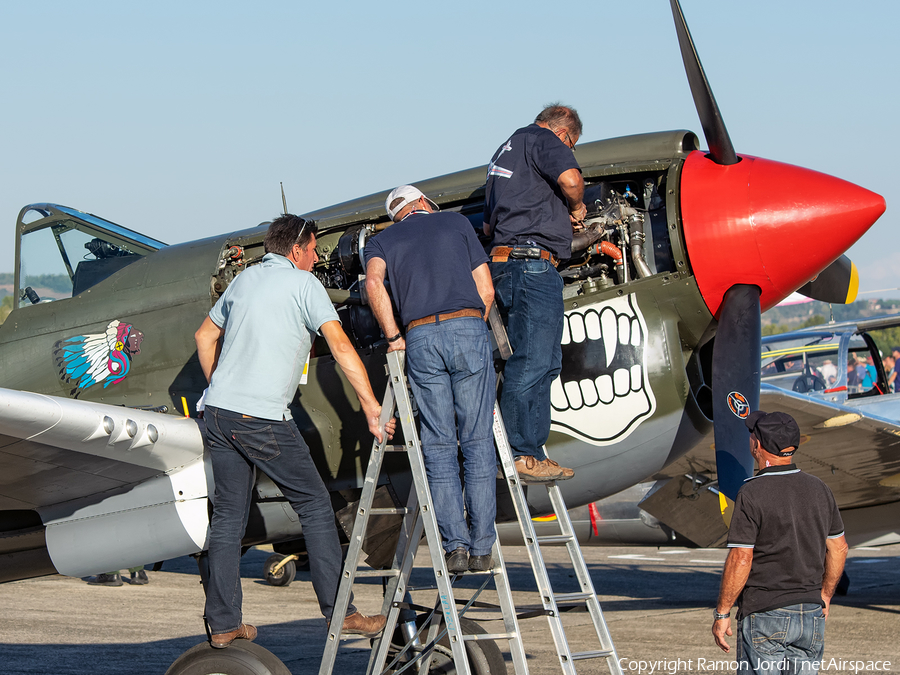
(102, 469)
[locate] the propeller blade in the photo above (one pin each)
(735, 384)
(720, 148)
(838, 283)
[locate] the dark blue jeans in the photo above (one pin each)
(786, 640)
(236, 445)
(529, 296)
(451, 373)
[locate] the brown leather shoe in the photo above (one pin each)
(360, 624)
(566, 473)
(243, 632)
(532, 471)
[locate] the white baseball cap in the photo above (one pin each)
(408, 194)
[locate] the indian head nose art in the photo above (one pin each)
(602, 392)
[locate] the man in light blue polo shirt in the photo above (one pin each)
(253, 347)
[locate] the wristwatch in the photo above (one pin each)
(718, 616)
(395, 338)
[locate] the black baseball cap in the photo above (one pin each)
(776, 431)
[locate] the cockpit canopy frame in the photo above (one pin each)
(55, 235)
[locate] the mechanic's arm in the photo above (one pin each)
(380, 302)
(344, 353)
(734, 578)
(485, 286)
(209, 344)
(835, 555)
(571, 182)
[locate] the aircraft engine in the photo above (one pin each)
(626, 237)
(613, 236)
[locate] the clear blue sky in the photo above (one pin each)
(179, 119)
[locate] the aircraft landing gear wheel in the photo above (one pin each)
(485, 657)
(241, 658)
(284, 576)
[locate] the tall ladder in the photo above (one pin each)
(415, 519)
(418, 515)
(550, 599)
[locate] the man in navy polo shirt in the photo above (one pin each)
(787, 552)
(440, 282)
(533, 198)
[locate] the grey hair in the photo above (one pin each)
(557, 115)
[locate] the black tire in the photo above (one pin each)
(485, 657)
(284, 576)
(241, 658)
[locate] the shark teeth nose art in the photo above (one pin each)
(602, 392)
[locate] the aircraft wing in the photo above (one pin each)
(853, 447)
(102, 487)
(855, 451)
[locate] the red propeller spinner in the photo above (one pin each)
(768, 224)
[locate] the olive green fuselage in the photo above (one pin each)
(165, 294)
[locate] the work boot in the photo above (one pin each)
(480, 563)
(243, 632)
(107, 579)
(533, 471)
(566, 473)
(139, 578)
(360, 624)
(457, 561)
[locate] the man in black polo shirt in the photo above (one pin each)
(533, 197)
(787, 554)
(440, 282)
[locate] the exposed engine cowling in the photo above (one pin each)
(614, 223)
(625, 236)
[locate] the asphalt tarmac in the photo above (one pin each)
(657, 602)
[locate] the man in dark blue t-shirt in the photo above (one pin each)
(786, 554)
(440, 281)
(533, 197)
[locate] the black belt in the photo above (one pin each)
(503, 253)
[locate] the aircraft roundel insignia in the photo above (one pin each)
(737, 402)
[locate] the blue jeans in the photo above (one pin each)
(451, 373)
(786, 640)
(529, 296)
(236, 445)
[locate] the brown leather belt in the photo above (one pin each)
(434, 318)
(504, 253)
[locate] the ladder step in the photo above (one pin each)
(491, 636)
(555, 539)
(377, 573)
(388, 512)
(569, 597)
(600, 653)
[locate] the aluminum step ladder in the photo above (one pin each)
(550, 599)
(418, 516)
